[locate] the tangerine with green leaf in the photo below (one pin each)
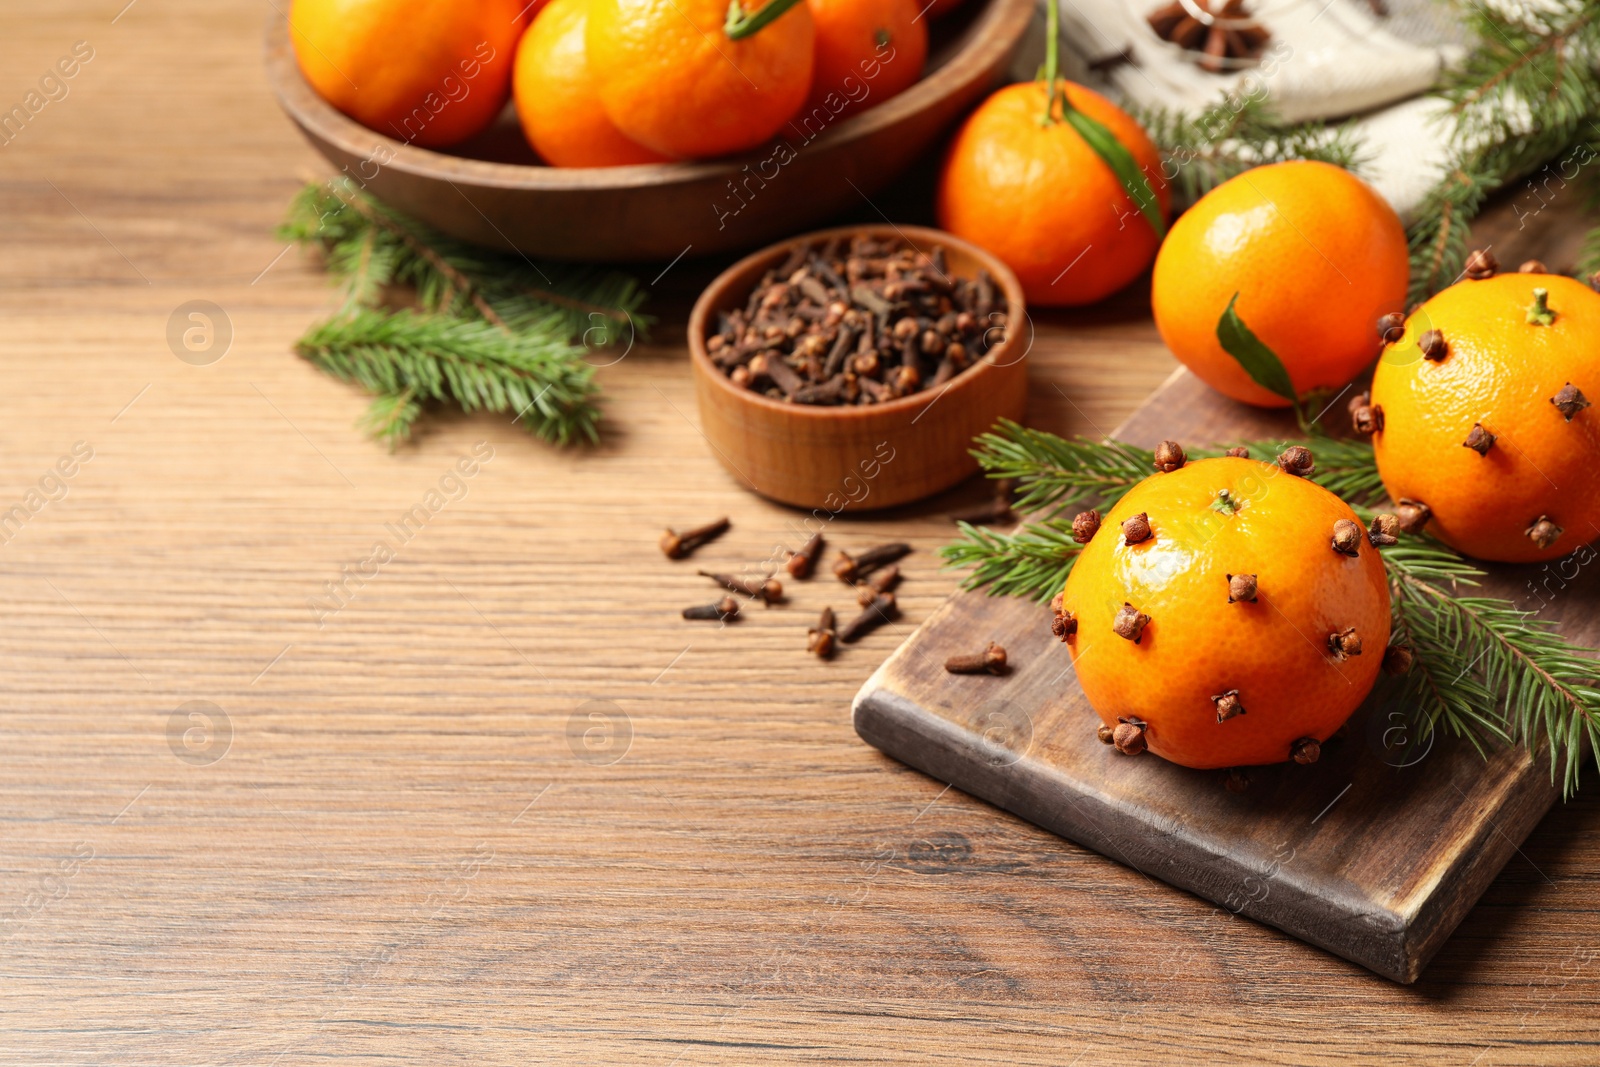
(1308, 255)
(1225, 613)
(1038, 194)
(1483, 426)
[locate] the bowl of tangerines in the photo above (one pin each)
(610, 130)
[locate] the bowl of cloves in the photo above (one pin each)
(849, 369)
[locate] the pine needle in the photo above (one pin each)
(407, 356)
(1033, 562)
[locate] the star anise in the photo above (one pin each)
(1224, 39)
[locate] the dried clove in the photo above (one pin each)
(768, 590)
(1306, 751)
(1434, 346)
(1543, 532)
(1241, 587)
(726, 608)
(1128, 736)
(678, 545)
(1238, 452)
(1392, 327)
(1397, 659)
(820, 638)
(1228, 705)
(1479, 439)
(1345, 643)
(1413, 515)
(1063, 624)
(1130, 623)
(880, 581)
(1136, 529)
(1347, 537)
(992, 660)
(1085, 524)
(1298, 461)
(851, 569)
(1169, 456)
(1365, 416)
(1383, 530)
(800, 563)
(1533, 266)
(1105, 734)
(1481, 264)
(882, 609)
(1569, 401)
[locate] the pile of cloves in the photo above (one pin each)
(858, 322)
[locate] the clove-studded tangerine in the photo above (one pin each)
(1240, 589)
(1492, 446)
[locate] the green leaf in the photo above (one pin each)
(1258, 361)
(1121, 162)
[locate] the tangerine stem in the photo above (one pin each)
(741, 24)
(1052, 61)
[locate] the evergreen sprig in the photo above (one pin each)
(1484, 669)
(1527, 94)
(1202, 151)
(493, 331)
(407, 357)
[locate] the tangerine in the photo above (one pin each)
(1036, 195)
(670, 77)
(1242, 622)
(866, 51)
(1493, 365)
(556, 102)
(426, 72)
(1315, 256)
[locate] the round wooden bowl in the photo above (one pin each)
(849, 458)
(492, 190)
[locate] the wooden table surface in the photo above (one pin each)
(395, 844)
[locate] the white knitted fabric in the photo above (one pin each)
(1327, 59)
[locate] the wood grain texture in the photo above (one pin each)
(830, 460)
(490, 190)
(1375, 853)
(748, 883)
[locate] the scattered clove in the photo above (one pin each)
(1569, 401)
(1128, 736)
(1434, 346)
(1136, 529)
(820, 638)
(1543, 532)
(1347, 537)
(1306, 751)
(881, 610)
(1479, 439)
(1298, 461)
(768, 590)
(1241, 587)
(1130, 623)
(1383, 530)
(881, 581)
(992, 660)
(678, 545)
(726, 608)
(1228, 705)
(1106, 734)
(851, 569)
(1169, 456)
(801, 563)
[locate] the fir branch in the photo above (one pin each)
(1496, 670)
(370, 246)
(408, 356)
(1032, 562)
(1200, 152)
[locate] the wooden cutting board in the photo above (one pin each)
(1376, 852)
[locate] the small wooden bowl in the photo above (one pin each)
(851, 458)
(492, 190)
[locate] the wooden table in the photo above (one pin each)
(396, 843)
